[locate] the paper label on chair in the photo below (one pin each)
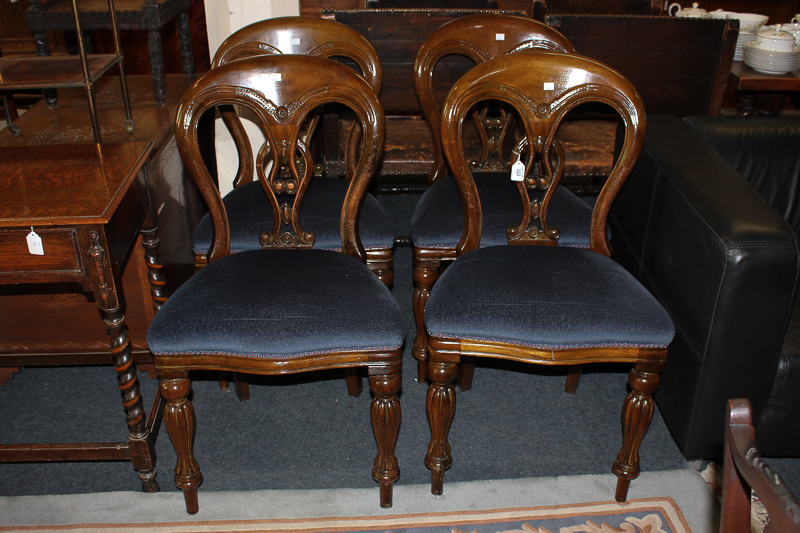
(549, 86)
(295, 41)
(518, 171)
(34, 243)
(499, 36)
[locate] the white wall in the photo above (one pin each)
(224, 17)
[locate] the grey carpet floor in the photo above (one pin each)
(305, 432)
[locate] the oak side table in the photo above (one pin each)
(87, 203)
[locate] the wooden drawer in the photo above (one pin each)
(61, 252)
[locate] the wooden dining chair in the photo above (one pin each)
(743, 470)
(539, 302)
(437, 222)
(319, 38)
(286, 307)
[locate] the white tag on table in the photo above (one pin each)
(518, 171)
(499, 36)
(34, 243)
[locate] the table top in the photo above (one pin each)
(745, 78)
(59, 185)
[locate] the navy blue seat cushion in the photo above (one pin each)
(545, 297)
(278, 304)
(438, 218)
(250, 214)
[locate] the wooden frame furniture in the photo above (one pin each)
(764, 94)
(84, 242)
(437, 220)
(150, 15)
(744, 469)
(69, 71)
(537, 302)
(284, 308)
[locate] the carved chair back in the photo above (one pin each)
(300, 35)
(541, 88)
(743, 470)
(282, 92)
(479, 38)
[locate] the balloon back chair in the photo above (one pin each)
(537, 301)
(743, 470)
(316, 37)
(286, 307)
(437, 221)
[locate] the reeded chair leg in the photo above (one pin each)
(425, 275)
(441, 405)
(637, 413)
(385, 413)
(180, 421)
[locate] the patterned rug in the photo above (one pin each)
(651, 515)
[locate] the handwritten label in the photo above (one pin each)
(518, 171)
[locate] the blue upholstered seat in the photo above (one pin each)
(438, 218)
(250, 214)
(278, 304)
(545, 297)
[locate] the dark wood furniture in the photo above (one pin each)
(478, 38)
(284, 308)
(760, 93)
(82, 70)
(744, 469)
(537, 302)
(314, 8)
(679, 66)
(87, 203)
(150, 15)
(541, 8)
(75, 335)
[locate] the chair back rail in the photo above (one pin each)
(542, 87)
(282, 92)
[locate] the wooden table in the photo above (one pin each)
(761, 93)
(88, 203)
(150, 15)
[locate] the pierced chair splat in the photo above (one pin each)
(549, 305)
(318, 38)
(437, 220)
(285, 308)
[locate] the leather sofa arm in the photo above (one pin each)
(725, 266)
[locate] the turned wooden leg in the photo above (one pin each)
(573, 378)
(354, 382)
(155, 268)
(385, 412)
(637, 413)
(157, 69)
(185, 40)
(180, 421)
(141, 447)
(441, 405)
(425, 274)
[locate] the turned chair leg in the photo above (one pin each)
(385, 413)
(425, 275)
(180, 421)
(637, 413)
(441, 405)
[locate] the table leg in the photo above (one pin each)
(185, 40)
(745, 103)
(42, 44)
(104, 284)
(157, 68)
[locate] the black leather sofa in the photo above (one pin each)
(702, 222)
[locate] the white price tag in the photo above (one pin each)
(518, 171)
(499, 36)
(295, 41)
(34, 243)
(549, 86)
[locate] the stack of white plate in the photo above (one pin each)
(744, 37)
(769, 62)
